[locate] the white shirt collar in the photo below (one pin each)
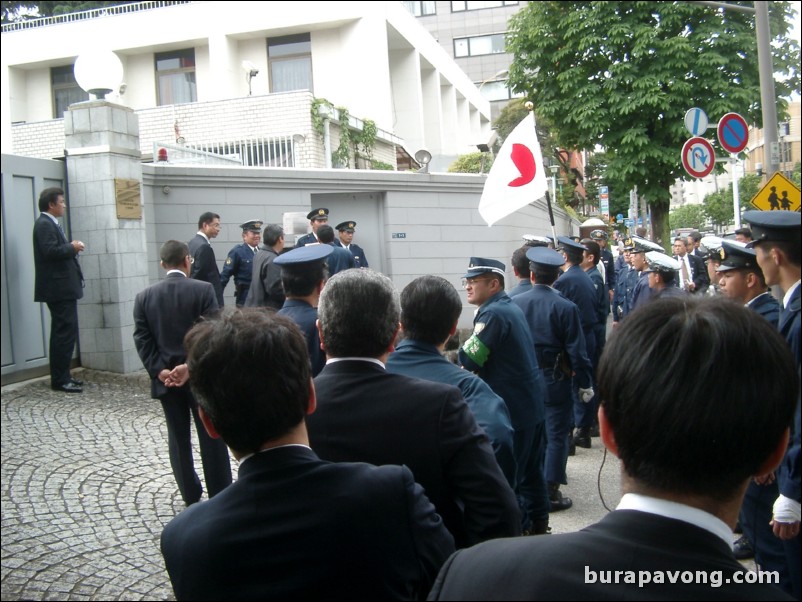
(700, 518)
(175, 271)
(789, 293)
(373, 360)
(53, 217)
(204, 236)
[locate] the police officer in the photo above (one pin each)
(501, 352)
(345, 240)
(641, 293)
(710, 247)
(239, 262)
(317, 218)
(560, 348)
(601, 238)
(661, 274)
(625, 283)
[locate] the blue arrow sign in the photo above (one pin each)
(696, 121)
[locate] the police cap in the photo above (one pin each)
(778, 226)
(543, 256)
(318, 214)
(660, 262)
(302, 256)
(480, 265)
(254, 225)
(346, 226)
(736, 256)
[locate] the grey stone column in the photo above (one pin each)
(102, 144)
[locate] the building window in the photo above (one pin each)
(496, 90)
(290, 63)
(491, 44)
(457, 7)
(420, 9)
(175, 77)
(66, 90)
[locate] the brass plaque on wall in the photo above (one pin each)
(128, 196)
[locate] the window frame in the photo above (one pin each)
(55, 88)
(470, 38)
(182, 53)
(272, 60)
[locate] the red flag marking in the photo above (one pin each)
(524, 160)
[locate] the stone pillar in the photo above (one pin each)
(102, 145)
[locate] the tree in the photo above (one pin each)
(687, 216)
(622, 75)
(12, 11)
(597, 173)
(718, 208)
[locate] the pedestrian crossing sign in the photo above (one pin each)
(778, 193)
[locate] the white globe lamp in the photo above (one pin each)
(99, 72)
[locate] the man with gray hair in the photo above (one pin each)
(266, 289)
(366, 414)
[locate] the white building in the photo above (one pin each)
(199, 72)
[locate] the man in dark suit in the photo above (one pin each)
(340, 258)
(346, 240)
(163, 313)
(317, 218)
(685, 466)
(367, 414)
(204, 263)
(693, 276)
(266, 289)
(292, 527)
(59, 283)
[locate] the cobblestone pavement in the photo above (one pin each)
(86, 491)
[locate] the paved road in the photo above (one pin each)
(87, 488)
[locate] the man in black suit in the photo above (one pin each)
(163, 313)
(367, 414)
(266, 289)
(292, 526)
(693, 276)
(59, 283)
(684, 466)
(204, 263)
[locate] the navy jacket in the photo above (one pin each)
(204, 265)
(424, 360)
(576, 286)
(58, 274)
(305, 316)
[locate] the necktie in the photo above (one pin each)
(684, 273)
(60, 229)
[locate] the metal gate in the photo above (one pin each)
(25, 324)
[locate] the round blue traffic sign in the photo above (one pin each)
(733, 133)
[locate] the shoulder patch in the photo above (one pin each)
(228, 260)
(478, 327)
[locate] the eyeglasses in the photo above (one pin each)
(472, 281)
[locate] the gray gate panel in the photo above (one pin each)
(26, 324)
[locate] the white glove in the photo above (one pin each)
(786, 510)
(586, 394)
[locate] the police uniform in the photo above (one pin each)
(626, 280)
(785, 226)
(663, 264)
(737, 256)
(239, 264)
(709, 247)
(502, 353)
(321, 214)
(360, 261)
(642, 293)
(300, 311)
(606, 260)
(559, 343)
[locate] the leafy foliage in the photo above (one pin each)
(622, 74)
(719, 207)
(12, 11)
(687, 216)
(472, 163)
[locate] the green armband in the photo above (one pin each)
(476, 350)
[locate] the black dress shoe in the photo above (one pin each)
(743, 549)
(582, 437)
(557, 501)
(571, 445)
(75, 381)
(67, 388)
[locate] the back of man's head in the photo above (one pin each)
(430, 306)
(520, 262)
(325, 234)
(698, 393)
(250, 374)
(173, 253)
(271, 234)
(358, 314)
(303, 280)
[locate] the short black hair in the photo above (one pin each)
(430, 306)
(745, 232)
(206, 218)
(173, 253)
(544, 274)
(272, 233)
(325, 234)
(250, 373)
(301, 281)
(698, 393)
(791, 249)
(49, 196)
(520, 262)
(695, 236)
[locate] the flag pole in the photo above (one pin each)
(529, 106)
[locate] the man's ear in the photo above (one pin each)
(312, 398)
(207, 424)
(320, 335)
(606, 432)
(391, 348)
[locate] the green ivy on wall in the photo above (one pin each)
(352, 142)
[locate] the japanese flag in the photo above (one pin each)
(517, 177)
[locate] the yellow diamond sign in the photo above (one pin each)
(778, 193)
